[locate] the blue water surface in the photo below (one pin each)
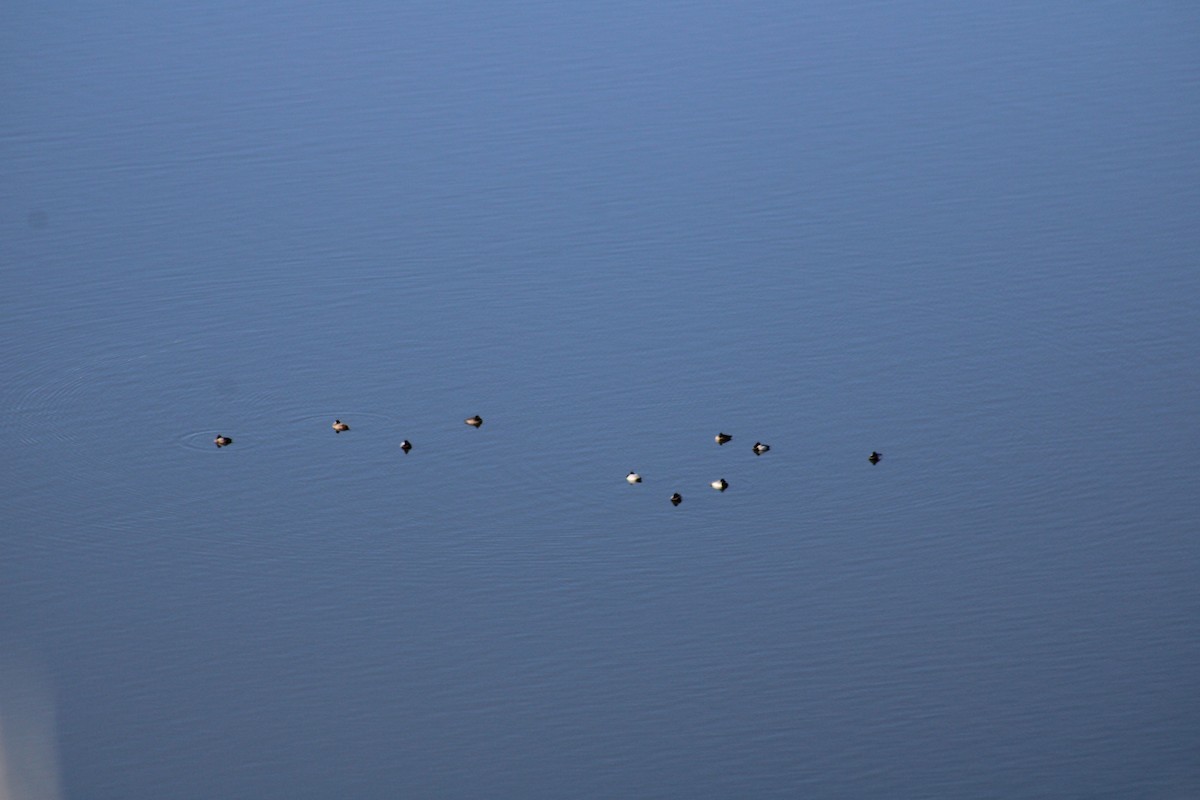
(963, 235)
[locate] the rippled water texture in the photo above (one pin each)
(961, 236)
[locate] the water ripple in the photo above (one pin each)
(48, 395)
(204, 440)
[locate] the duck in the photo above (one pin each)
(720, 485)
(874, 457)
(676, 499)
(760, 448)
(722, 438)
(339, 426)
(222, 441)
(633, 477)
(474, 421)
(406, 445)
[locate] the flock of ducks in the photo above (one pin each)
(476, 421)
(721, 484)
(339, 426)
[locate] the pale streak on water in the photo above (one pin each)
(963, 238)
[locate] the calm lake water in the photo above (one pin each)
(962, 236)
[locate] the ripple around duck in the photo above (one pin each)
(250, 419)
(203, 440)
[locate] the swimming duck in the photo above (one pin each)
(719, 485)
(474, 421)
(676, 499)
(222, 441)
(633, 477)
(406, 445)
(760, 448)
(722, 438)
(874, 457)
(339, 426)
